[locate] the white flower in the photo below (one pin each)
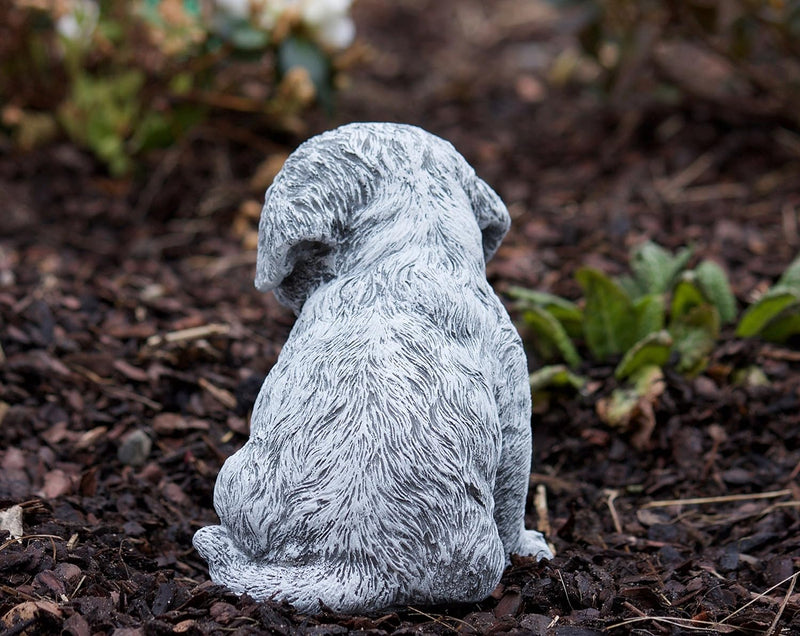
(270, 10)
(234, 8)
(329, 21)
(80, 20)
(338, 33)
(320, 12)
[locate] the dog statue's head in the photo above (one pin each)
(367, 186)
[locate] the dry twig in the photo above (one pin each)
(540, 503)
(793, 577)
(773, 628)
(192, 333)
(697, 501)
(226, 398)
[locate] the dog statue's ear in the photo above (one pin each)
(491, 213)
(295, 248)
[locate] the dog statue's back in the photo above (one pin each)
(390, 445)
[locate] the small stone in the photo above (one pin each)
(11, 521)
(135, 449)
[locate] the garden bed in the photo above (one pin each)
(134, 343)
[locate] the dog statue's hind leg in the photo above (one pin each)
(513, 472)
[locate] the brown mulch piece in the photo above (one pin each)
(133, 344)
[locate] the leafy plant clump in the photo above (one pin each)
(661, 315)
(121, 78)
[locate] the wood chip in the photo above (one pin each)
(226, 398)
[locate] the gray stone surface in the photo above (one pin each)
(390, 444)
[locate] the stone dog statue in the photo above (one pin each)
(390, 445)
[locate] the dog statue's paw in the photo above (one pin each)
(224, 558)
(533, 543)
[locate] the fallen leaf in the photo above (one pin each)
(56, 484)
(171, 423)
(175, 494)
(184, 626)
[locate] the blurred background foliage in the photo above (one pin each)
(743, 55)
(121, 78)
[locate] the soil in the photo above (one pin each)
(134, 343)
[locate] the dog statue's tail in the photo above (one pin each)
(308, 587)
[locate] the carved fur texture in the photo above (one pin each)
(390, 446)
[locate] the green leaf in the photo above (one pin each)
(619, 408)
(768, 307)
(649, 310)
(544, 299)
(686, 296)
(181, 83)
(695, 333)
(548, 329)
(790, 280)
(713, 282)
(556, 376)
(751, 376)
(628, 401)
(609, 323)
(648, 382)
(153, 131)
(655, 269)
(247, 38)
(631, 286)
(565, 311)
(652, 350)
(192, 7)
(296, 51)
(783, 326)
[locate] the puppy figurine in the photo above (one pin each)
(390, 445)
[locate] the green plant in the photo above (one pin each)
(123, 78)
(776, 315)
(629, 319)
(661, 314)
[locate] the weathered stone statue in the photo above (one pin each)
(390, 446)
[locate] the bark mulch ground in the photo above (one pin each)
(133, 345)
